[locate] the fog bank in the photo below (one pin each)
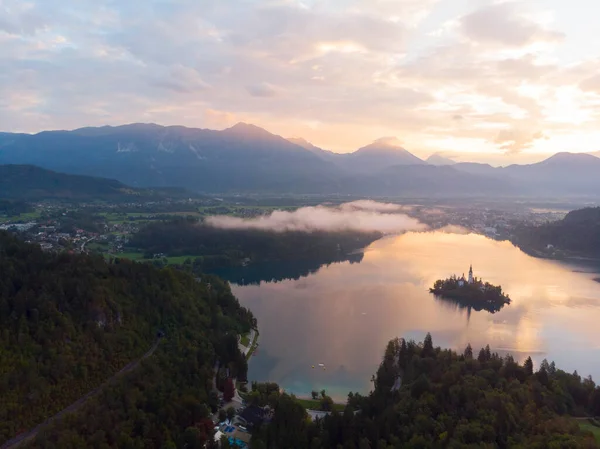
(364, 215)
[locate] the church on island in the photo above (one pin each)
(471, 292)
(470, 280)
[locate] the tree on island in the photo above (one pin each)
(474, 293)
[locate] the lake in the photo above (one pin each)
(343, 315)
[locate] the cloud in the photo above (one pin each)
(501, 24)
(591, 84)
(264, 90)
(367, 216)
(338, 73)
(180, 79)
(514, 140)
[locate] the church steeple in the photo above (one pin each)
(471, 274)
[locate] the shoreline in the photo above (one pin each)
(253, 345)
(306, 397)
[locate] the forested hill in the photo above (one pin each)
(426, 397)
(577, 233)
(229, 247)
(28, 182)
(69, 322)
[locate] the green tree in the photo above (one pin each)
(230, 413)
(428, 350)
(468, 352)
(326, 403)
(528, 365)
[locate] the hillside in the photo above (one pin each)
(428, 397)
(430, 181)
(323, 154)
(576, 173)
(566, 174)
(576, 234)
(27, 182)
(71, 321)
(240, 158)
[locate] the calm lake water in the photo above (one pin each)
(343, 315)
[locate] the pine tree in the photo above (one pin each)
(428, 350)
(468, 352)
(528, 365)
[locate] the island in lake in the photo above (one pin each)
(471, 292)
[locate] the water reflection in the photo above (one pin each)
(456, 304)
(342, 315)
(254, 274)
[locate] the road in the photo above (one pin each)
(85, 243)
(27, 436)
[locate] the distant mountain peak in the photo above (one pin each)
(565, 157)
(249, 131)
(438, 159)
(246, 127)
(383, 153)
(390, 141)
(242, 125)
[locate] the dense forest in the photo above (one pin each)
(220, 248)
(426, 397)
(577, 233)
(69, 322)
(14, 207)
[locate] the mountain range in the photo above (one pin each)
(246, 158)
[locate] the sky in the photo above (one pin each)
(485, 80)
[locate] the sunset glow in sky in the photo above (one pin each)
(484, 80)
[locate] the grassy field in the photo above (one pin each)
(112, 217)
(313, 404)
(29, 216)
(133, 255)
(97, 246)
(588, 426)
(130, 255)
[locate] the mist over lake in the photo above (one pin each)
(342, 315)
